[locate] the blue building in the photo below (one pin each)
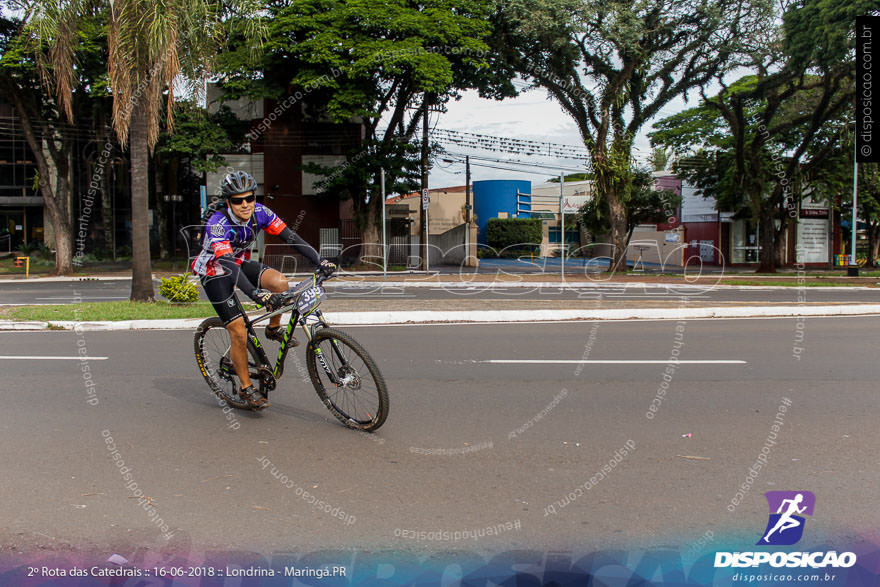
(498, 198)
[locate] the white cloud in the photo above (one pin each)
(532, 116)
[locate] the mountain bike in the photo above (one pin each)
(344, 375)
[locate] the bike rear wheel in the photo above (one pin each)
(212, 344)
(358, 398)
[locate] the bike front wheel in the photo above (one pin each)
(347, 380)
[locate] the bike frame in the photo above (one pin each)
(288, 333)
(295, 318)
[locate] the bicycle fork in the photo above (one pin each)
(320, 354)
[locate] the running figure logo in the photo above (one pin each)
(785, 527)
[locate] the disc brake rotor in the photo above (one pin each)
(348, 378)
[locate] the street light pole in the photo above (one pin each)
(423, 214)
(853, 269)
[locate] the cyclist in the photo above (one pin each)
(225, 261)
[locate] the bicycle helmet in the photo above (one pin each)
(238, 182)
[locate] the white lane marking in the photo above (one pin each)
(651, 296)
(86, 297)
(28, 357)
(381, 296)
(610, 362)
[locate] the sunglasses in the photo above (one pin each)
(241, 200)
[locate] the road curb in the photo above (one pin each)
(10, 325)
(672, 288)
(485, 316)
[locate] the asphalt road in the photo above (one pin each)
(67, 292)
(469, 444)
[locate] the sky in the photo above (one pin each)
(532, 115)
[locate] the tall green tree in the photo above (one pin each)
(20, 86)
(868, 208)
(49, 134)
(381, 63)
(646, 206)
(154, 51)
(613, 64)
(836, 178)
(754, 143)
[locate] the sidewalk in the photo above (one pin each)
(389, 310)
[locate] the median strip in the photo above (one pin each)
(404, 317)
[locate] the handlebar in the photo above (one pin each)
(290, 296)
(321, 276)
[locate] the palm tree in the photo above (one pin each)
(155, 50)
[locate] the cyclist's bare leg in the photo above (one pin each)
(276, 283)
(238, 350)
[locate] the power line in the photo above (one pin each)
(527, 142)
(547, 166)
(511, 145)
(486, 165)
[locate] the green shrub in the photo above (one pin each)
(36, 250)
(179, 289)
(504, 232)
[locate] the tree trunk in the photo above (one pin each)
(371, 245)
(781, 236)
(63, 250)
(141, 270)
(54, 200)
(63, 233)
(617, 217)
(613, 183)
(767, 242)
(873, 245)
(62, 228)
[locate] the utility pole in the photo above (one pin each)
(423, 211)
(562, 220)
(467, 210)
(384, 237)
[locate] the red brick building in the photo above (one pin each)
(284, 137)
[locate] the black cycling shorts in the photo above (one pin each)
(220, 289)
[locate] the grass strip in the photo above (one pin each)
(112, 311)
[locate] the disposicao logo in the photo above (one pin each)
(785, 527)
